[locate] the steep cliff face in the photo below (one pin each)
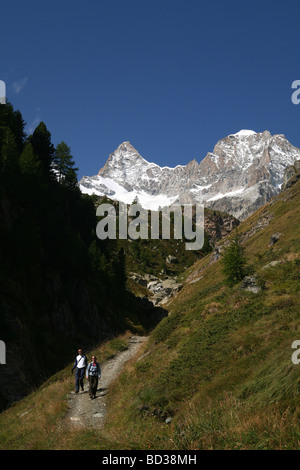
(291, 174)
(242, 173)
(217, 226)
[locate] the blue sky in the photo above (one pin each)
(171, 76)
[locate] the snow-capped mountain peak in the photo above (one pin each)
(242, 172)
(243, 133)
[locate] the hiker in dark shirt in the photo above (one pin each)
(93, 374)
(80, 366)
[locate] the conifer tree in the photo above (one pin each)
(234, 261)
(43, 148)
(64, 166)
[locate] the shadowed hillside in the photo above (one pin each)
(60, 286)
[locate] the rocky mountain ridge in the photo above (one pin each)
(243, 172)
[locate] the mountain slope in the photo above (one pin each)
(215, 374)
(219, 366)
(242, 173)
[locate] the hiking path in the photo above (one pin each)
(84, 412)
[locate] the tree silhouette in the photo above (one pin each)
(64, 166)
(43, 148)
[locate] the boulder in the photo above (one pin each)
(142, 280)
(272, 264)
(249, 283)
(170, 285)
(171, 259)
(274, 239)
(154, 286)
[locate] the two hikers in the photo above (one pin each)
(93, 373)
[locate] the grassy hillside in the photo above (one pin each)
(215, 374)
(220, 364)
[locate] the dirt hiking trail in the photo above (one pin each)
(84, 412)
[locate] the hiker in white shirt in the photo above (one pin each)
(80, 365)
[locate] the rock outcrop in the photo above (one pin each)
(250, 284)
(160, 290)
(291, 175)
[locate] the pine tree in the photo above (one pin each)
(43, 148)
(64, 166)
(234, 261)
